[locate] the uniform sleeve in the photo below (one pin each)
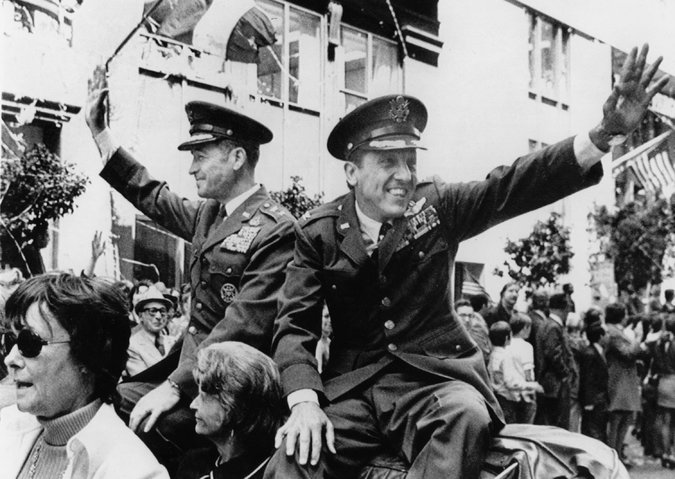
(152, 197)
(250, 317)
(299, 326)
(533, 181)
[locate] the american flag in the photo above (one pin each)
(651, 164)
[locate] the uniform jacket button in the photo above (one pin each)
(386, 302)
(192, 330)
(228, 271)
(333, 287)
(457, 347)
(389, 324)
(199, 306)
(203, 284)
(392, 347)
(421, 254)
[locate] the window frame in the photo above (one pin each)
(560, 94)
(369, 64)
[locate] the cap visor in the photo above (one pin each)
(394, 143)
(191, 144)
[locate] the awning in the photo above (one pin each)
(235, 29)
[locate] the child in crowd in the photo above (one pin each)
(513, 388)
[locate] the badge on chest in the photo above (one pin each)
(419, 224)
(241, 241)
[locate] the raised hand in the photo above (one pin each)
(95, 111)
(629, 100)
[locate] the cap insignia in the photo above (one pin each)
(398, 109)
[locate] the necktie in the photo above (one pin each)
(159, 345)
(384, 229)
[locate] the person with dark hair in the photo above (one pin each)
(402, 374)
(558, 369)
(508, 296)
(475, 325)
(239, 408)
(668, 306)
(479, 303)
(622, 352)
(507, 379)
(523, 360)
(593, 381)
(662, 349)
(242, 241)
(70, 336)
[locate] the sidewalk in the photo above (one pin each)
(644, 467)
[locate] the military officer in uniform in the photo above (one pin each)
(403, 375)
(242, 241)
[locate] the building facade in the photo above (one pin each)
(500, 78)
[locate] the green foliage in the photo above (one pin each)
(636, 237)
(542, 256)
(295, 199)
(35, 189)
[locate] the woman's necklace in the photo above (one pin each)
(36, 457)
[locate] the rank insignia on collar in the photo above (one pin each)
(241, 241)
(228, 292)
(255, 221)
(344, 226)
(398, 109)
(246, 214)
(418, 225)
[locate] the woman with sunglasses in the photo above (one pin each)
(71, 335)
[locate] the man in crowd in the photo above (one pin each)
(146, 344)
(558, 370)
(241, 240)
(475, 326)
(593, 384)
(538, 313)
(401, 371)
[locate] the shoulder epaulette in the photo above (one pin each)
(324, 211)
(275, 210)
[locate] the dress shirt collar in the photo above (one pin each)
(234, 203)
(369, 227)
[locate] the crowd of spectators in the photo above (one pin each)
(606, 372)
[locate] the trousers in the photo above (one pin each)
(440, 427)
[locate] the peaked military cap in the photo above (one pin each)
(210, 122)
(392, 122)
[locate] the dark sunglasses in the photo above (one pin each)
(28, 342)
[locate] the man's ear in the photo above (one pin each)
(350, 172)
(238, 156)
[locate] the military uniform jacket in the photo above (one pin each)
(237, 266)
(400, 307)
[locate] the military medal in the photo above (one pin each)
(228, 292)
(418, 225)
(241, 241)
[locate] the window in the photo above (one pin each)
(370, 67)
(291, 69)
(549, 61)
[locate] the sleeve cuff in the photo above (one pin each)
(107, 144)
(586, 152)
(302, 395)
